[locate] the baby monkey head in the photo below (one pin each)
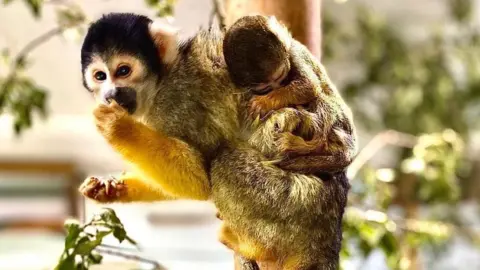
(123, 58)
(256, 50)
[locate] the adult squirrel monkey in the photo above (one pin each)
(172, 111)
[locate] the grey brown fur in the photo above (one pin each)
(194, 100)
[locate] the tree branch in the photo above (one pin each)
(218, 11)
(123, 254)
(29, 47)
(378, 142)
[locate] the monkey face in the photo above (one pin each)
(123, 78)
(123, 58)
(272, 80)
(257, 52)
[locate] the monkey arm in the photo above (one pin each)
(129, 187)
(176, 167)
(300, 91)
(172, 163)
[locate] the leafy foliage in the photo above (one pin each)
(428, 88)
(432, 163)
(79, 252)
(35, 6)
(20, 96)
(164, 8)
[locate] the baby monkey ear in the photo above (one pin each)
(165, 38)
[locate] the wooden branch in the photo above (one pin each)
(20, 57)
(389, 137)
(219, 12)
(123, 254)
(302, 17)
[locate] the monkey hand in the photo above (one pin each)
(261, 106)
(287, 143)
(111, 120)
(103, 190)
(290, 145)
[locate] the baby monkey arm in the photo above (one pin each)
(300, 91)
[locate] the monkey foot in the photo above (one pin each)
(103, 190)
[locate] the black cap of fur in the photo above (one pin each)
(121, 33)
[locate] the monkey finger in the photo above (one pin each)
(266, 116)
(115, 106)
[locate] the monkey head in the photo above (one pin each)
(256, 50)
(123, 58)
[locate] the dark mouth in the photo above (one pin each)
(131, 107)
(127, 98)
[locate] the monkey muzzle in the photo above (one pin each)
(124, 96)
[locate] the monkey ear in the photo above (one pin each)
(281, 30)
(165, 37)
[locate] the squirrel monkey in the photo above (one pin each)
(171, 110)
(262, 56)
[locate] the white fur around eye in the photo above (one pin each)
(96, 65)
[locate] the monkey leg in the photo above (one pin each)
(126, 188)
(293, 213)
(300, 263)
(173, 164)
(247, 248)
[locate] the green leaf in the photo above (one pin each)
(86, 247)
(73, 231)
(70, 16)
(109, 217)
(67, 263)
(95, 258)
(152, 2)
(371, 233)
(35, 7)
(119, 233)
(461, 10)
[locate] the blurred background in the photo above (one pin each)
(410, 70)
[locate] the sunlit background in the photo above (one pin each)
(410, 70)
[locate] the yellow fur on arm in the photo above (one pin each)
(140, 190)
(169, 162)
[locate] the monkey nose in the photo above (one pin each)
(110, 95)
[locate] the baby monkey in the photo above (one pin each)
(257, 51)
(262, 57)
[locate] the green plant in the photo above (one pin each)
(81, 240)
(426, 91)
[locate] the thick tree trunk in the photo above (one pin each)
(302, 17)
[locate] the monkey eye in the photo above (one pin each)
(123, 71)
(262, 89)
(100, 76)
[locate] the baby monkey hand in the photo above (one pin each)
(261, 106)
